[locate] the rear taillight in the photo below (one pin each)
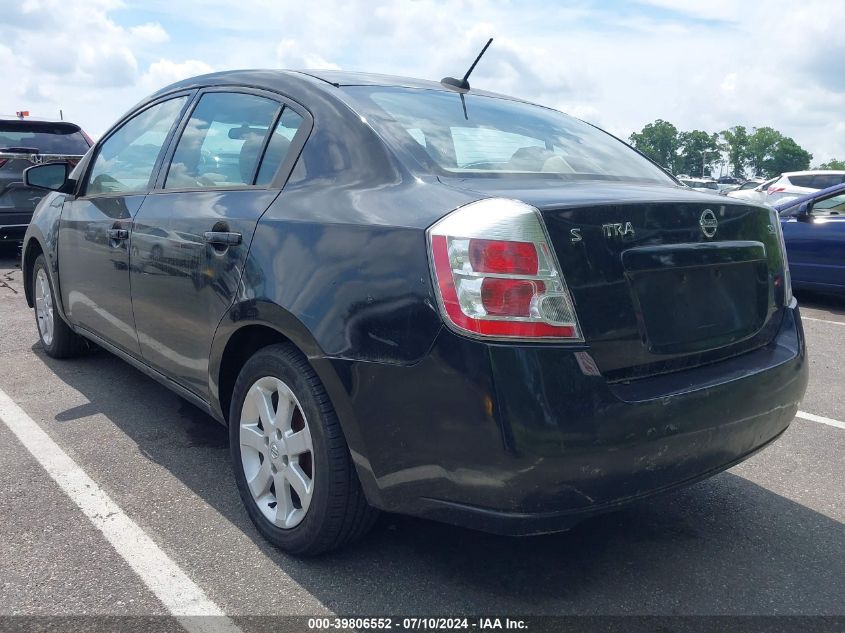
(3, 161)
(497, 276)
(775, 190)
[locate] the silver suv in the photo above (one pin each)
(798, 183)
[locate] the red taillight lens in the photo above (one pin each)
(498, 256)
(3, 161)
(509, 297)
(775, 190)
(496, 274)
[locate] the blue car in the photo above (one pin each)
(814, 231)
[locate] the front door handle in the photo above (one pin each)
(224, 238)
(118, 234)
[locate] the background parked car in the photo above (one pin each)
(814, 232)
(797, 183)
(701, 184)
(754, 190)
(23, 143)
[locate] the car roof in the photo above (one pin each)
(812, 172)
(277, 78)
(351, 78)
(821, 193)
(44, 124)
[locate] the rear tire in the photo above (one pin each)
(291, 461)
(56, 337)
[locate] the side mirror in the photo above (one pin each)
(805, 212)
(51, 176)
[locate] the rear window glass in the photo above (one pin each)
(802, 181)
(468, 135)
(823, 181)
(45, 137)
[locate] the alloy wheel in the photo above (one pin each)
(44, 306)
(276, 452)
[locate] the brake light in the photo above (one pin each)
(497, 256)
(497, 276)
(775, 190)
(3, 161)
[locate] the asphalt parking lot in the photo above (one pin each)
(766, 537)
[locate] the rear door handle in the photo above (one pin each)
(222, 237)
(118, 234)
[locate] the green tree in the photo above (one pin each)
(736, 145)
(787, 156)
(833, 163)
(699, 150)
(761, 146)
(658, 141)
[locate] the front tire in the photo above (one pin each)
(57, 339)
(291, 461)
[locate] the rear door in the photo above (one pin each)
(95, 226)
(816, 245)
(192, 234)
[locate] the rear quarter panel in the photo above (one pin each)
(43, 234)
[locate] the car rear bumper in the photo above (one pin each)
(522, 440)
(13, 223)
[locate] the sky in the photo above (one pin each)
(701, 65)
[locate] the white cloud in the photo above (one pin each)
(165, 71)
(705, 65)
(292, 54)
(151, 32)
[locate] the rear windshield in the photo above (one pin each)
(480, 135)
(46, 138)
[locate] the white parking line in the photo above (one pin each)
(179, 594)
(820, 419)
(806, 318)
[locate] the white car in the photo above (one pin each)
(754, 190)
(700, 184)
(798, 183)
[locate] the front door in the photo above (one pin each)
(95, 227)
(816, 245)
(191, 236)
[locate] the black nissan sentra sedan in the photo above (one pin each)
(401, 295)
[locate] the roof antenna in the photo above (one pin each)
(463, 84)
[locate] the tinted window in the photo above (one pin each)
(802, 181)
(279, 146)
(480, 135)
(823, 181)
(125, 161)
(222, 142)
(47, 138)
(749, 185)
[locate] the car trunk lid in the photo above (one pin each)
(662, 279)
